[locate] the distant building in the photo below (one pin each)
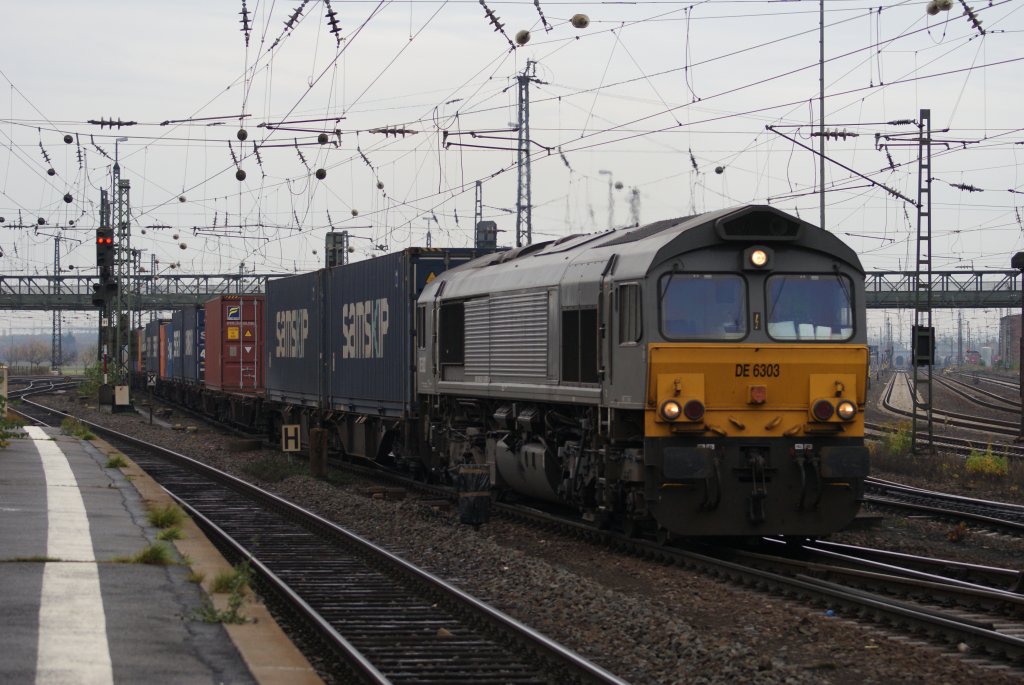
(1009, 341)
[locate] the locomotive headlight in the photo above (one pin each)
(670, 410)
(846, 410)
(757, 258)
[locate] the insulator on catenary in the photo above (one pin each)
(580, 21)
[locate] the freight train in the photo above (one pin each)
(701, 376)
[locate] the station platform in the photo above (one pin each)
(77, 611)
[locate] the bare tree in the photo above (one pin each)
(35, 353)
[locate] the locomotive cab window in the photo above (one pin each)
(703, 307)
(810, 307)
(630, 320)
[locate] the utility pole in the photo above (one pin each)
(120, 314)
(923, 332)
(634, 207)
(56, 351)
(611, 197)
(478, 204)
(821, 109)
(524, 206)
(960, 339)
(428, 220)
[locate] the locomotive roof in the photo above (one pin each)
(636, 249)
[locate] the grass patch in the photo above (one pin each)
(981, 469)
(196, 577)
(273, 469)
(229, 581)
(165, 517)
(235, 583)
(899, 440)
(169, 534)
(74, 427)
(37, 559)
(157, 554)
(116, 461)
(986, 464)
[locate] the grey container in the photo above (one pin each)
(193, 344)
(295, 318)
(370, 318)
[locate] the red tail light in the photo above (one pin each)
(822, 410)
(694, 410)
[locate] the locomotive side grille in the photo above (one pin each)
(478, 337)
(507, 335)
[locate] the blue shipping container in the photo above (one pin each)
(295, 315)
(193, 343)
(370, 317)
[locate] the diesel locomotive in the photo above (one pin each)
(701, 376)
(695, 376)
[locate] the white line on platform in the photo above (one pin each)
(72, 626)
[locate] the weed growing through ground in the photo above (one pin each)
(986, 464)
(169, 534)
(73, 427)
(235, 584)
(116, 461)
(36, 559)
(157, 554)
(166, 516)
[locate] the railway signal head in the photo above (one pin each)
(105, 253)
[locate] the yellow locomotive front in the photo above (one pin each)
(753, 420)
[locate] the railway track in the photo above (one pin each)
(1002, 517)
(997, 637)
(959, 420)
(968, 392)
(383, 619)
(1000, 381)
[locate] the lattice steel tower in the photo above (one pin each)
(923, 332)
(119, 316)
(56, 348)
(524, 207)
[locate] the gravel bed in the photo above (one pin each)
(646, 622)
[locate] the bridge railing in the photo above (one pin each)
(884, 289)
(969, 289)
(152, 292)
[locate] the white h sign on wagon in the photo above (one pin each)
(290, 441)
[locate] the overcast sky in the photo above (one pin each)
(661, 94)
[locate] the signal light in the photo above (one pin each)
(822, 410)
